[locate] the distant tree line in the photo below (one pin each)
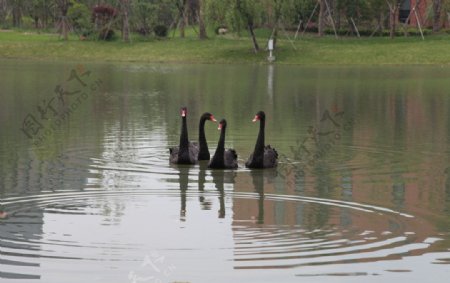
(159, 17)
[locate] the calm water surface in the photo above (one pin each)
(362, 193)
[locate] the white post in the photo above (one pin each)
(271, 58)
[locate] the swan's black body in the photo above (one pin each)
(186, 152)
(223, 159)
(262, 156)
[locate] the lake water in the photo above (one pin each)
(361, 194)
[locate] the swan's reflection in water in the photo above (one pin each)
(254, 185)
(258, 185)
(220, 178)
(201, 184)
(183, 172)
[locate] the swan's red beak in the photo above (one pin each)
(183, 112)
(220, 126)
(256, 118)
(213, 119)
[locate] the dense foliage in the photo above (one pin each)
(242, 17)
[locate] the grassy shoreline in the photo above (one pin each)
(434, 50)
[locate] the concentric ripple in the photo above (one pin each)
(353, 233)
(54, 229)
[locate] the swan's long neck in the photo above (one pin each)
(221, 143)
(259, 147)
(184, 139)
(218, 158)
(201, 135)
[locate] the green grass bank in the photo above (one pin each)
(309, 50)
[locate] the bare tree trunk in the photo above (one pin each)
(126, 28)
(182, 23)
(392, 23)
(437, 7)
(322, 10)
(275, 35)
(3, 10)
(252, 33)
(184, 18)
(276, 21)
(201, 21)
(65, 29)
(45, 18)
(250, 25)
(125, 21)
(63, 6)
(382, 21)
(17, 15)
(338, 18)
(393, 9)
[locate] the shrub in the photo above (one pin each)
(160, 31)
(27, 23)
(144, 31)
(79, 16)
(102, 17)
(106, 34)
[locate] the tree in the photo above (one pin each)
(322, 12)
(394, 6)
(216, 12)
(103, 16)
(182, 19)
(201, 20)
(36, 11)
(437, 7)
(377, 13)
(63, 8)
(355, 10)
(17, 12)
(274, 10)
(247, 10)
(145, 15)
(125, 8)
(3, 11)
(80, 17)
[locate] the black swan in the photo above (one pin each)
(186, 152)
(223, 159)
(262, 156)
(203, 145)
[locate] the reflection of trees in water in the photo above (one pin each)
(447, 190)
(347, 195)
(398, 191)
(321, 213)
